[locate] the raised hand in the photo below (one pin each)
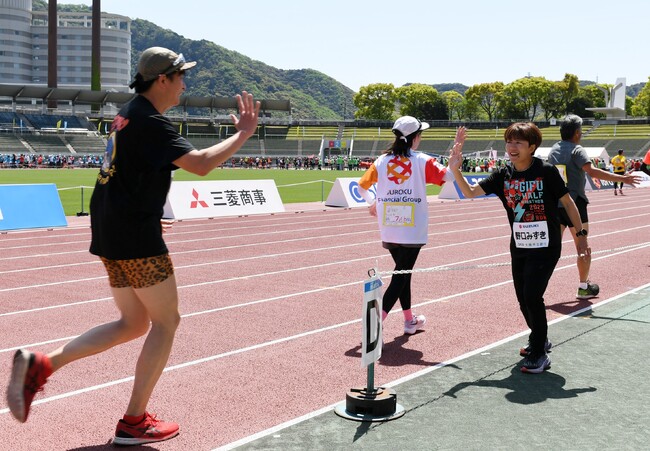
(632, 179)
(248, 113)
(456, 153)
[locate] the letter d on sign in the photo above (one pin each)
(371, 342)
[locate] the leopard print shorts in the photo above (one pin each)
(138, 272)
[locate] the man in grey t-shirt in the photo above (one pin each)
(572, 161)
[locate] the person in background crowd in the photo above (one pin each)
(126, 211)
(645, 167)
(530, 191)
(572, 161)
(402, 224)
(619, 163)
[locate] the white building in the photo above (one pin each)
(24, 48)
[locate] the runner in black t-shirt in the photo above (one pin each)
(126, 211)
(529, 190)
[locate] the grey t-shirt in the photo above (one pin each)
(569, 158)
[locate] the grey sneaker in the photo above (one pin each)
(591, 291)
(418, 322)
(536, 365)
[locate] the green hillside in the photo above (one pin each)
(223, 72)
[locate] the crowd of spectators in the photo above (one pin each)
(312, 162)
(17, 161)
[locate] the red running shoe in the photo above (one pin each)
(28, 375)
(149, 430)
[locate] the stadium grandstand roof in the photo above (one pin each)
(86, 96)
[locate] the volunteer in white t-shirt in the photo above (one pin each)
(401, 175)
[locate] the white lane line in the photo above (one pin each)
(221, 237)
(73, 304)
(234, 352)
(216, 249)
(426, 249)
(417, 374)
(640, 246)
(234, 246)
(337, 326)
(302, 251)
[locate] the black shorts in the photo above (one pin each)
(582, 209)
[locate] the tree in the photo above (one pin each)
(375, 101)
(553, 103)
(421, 101)
(456, 104)
(570, 87)
(589, 96)
(629, 102)
(484, 96)
(522, 98)
(641, 106)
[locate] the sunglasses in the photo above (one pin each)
(178, 62)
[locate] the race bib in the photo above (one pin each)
(399, 214)
(530, 235)
(562, 170)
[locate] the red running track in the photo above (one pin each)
(271, 310)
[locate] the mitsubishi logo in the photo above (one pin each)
(197, 202)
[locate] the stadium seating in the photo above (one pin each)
(46, 144)
(10, 143)
(85, 144)
(45, 133)
(274, 131)
(277, 146)
(40, 121)
(8, 120)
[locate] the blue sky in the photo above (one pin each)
(419, 41)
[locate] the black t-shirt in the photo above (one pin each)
(531, 201)
(132, 185)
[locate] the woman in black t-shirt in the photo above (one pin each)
(530, 190)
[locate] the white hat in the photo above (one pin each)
(408, 125)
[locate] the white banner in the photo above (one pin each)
(371, 341)
(209, 199)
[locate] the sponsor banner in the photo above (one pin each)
(452, 191)
(594, 184)
(345, 193)
(30, 207)
(598, 184)
(209, 199)
(371, 342)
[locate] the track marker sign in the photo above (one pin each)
(345, 193)
(372, 340)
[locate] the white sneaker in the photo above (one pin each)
(418, 322)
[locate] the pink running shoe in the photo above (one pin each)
(149, 430)
(28, 375)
